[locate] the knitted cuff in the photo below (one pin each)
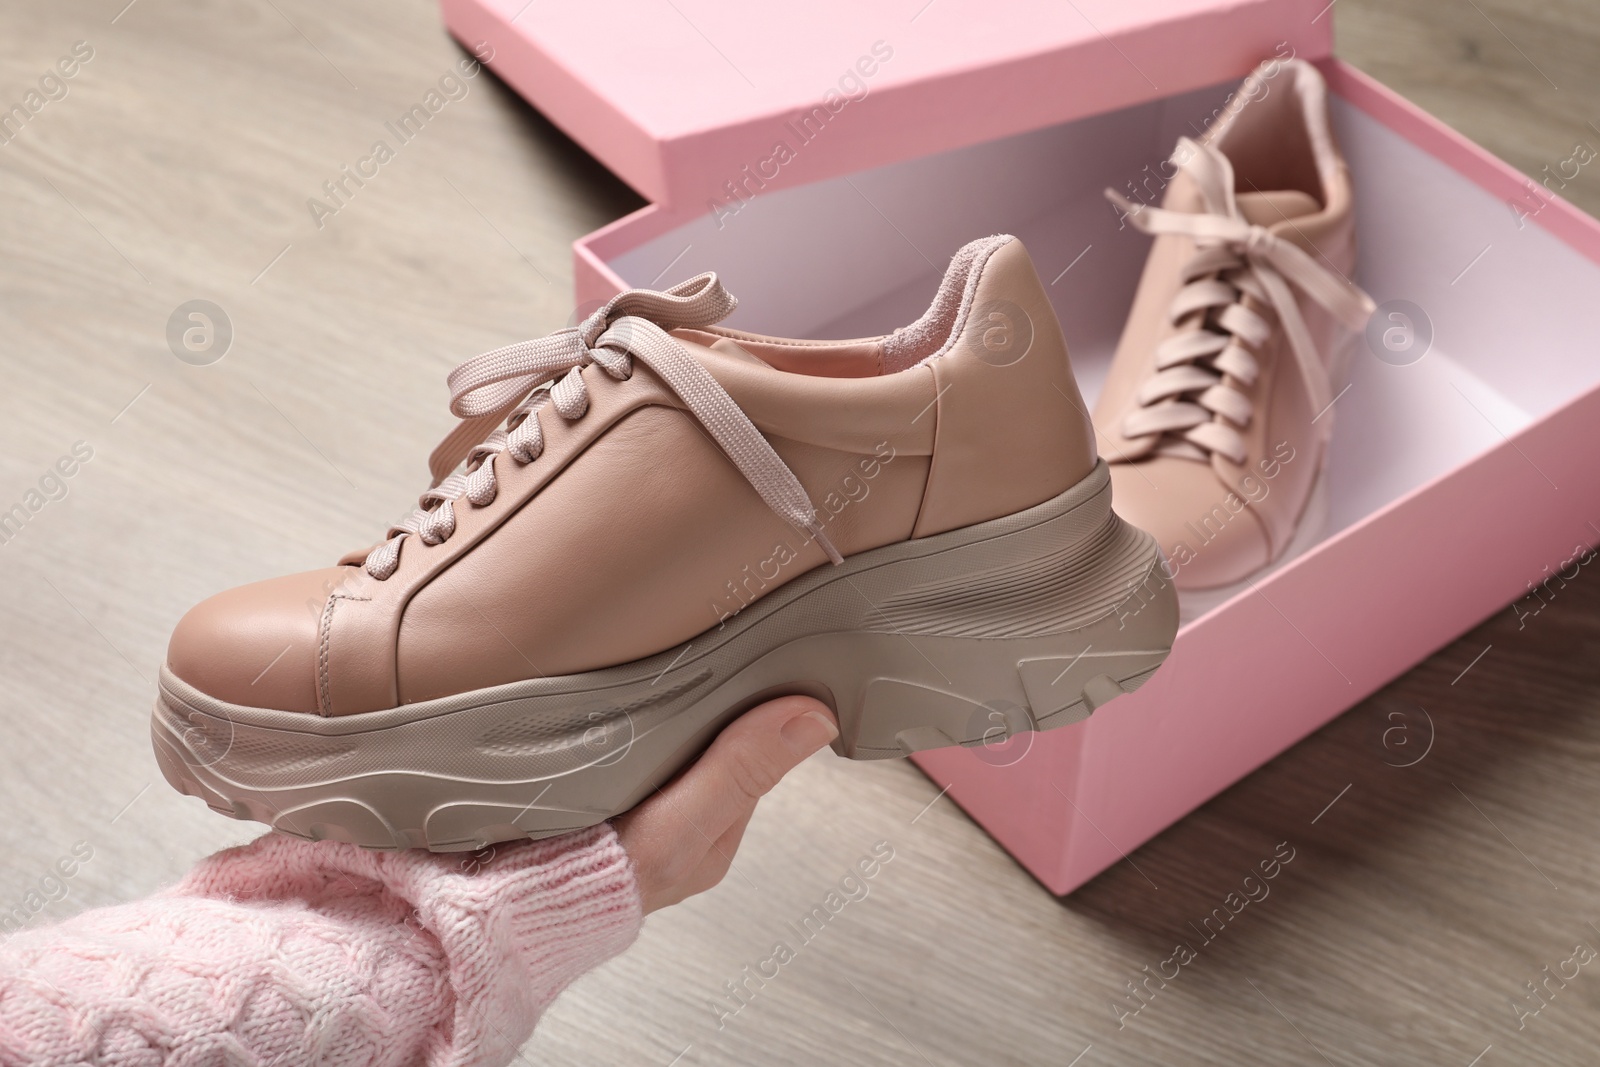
(521, 924)
(517, 922)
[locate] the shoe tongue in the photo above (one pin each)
(1266, 209)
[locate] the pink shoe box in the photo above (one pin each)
(1462, 464)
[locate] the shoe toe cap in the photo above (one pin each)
(257, 645)
(1211, 537)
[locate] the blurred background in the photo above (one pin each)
(1456, 860)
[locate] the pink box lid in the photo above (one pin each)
(686, 99)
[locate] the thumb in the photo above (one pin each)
(682, 840)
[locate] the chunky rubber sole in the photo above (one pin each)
(1028, 622)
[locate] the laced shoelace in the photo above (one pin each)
(518, 382)
(1200, 373)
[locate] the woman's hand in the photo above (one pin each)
(682, 840)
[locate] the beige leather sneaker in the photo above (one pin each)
(647, 524)
(1216, 413)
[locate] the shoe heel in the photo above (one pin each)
(1029, 631)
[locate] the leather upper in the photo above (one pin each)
(633, 532)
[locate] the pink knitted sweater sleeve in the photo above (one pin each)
(287, 953)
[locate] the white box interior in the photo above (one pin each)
(1512, 308)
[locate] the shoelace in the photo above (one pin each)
(1233, 259)
(519, 381)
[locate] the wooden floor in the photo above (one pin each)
(1419, 902)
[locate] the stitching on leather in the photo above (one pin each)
(786, 342)
(323, 705)
(324, 698)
